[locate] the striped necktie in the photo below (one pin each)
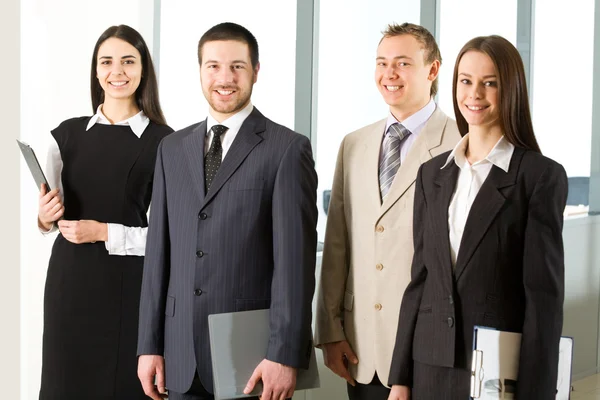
(391, 157)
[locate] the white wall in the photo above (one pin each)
(58, 39)
(9, 235)
(582, 292)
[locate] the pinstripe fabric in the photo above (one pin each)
(509, 276)
(248, 243)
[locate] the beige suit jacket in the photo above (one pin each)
(369, 245)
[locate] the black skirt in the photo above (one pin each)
(90, 327)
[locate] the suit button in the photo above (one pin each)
(199, 254)
(450, 322)
(378, 307)
(451, 299)
(379, 267)
(198, 292)
(379, 228)
(202, 216)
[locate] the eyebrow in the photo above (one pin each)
(233, 62)
(122, 58)
(485, 77)
(395, 58)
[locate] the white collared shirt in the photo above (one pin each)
(469, 182)
(122, 240)
(414, 124)
(233, 123)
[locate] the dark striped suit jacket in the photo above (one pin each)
(249, 243)
(509, 273)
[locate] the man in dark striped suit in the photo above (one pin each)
(232, 228)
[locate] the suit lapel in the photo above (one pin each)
(246, 139)
(193, 147)
(485, 208)
(371, 163)
(429, 138)
(445, 181)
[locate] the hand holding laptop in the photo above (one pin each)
(278, 380)
(51, 208)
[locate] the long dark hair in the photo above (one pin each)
(146, 95)
(515, 117)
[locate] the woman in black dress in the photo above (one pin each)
(100, 169)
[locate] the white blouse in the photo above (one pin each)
(469, 182)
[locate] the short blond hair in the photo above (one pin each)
(424, 37)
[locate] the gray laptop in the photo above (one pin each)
(238, 343)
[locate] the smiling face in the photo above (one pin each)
(227, 77)
(477, 90)
(118, 69)
(402, 76)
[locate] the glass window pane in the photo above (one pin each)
(461, 21)
(182, 25)
(562, 100)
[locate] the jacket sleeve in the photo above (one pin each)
(401, 371)
(335, 264)
(543, 280)
(156, 268)
(294, 213)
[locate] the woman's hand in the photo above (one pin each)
(50, 208)
(83, 231)
(399, 393)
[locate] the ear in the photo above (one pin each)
(256, 72)
(434, 70)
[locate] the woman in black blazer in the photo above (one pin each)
(488, 239)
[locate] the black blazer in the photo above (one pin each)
(248, 243)
(509, 273)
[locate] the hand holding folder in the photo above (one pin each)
(495, 365)
(51, 208)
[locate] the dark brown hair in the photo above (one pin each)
(515, 117)
(230, 31)
(146, 95)
(425, 39)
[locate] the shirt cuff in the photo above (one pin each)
(52, 229)
(115, 245)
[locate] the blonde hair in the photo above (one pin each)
(424, 37)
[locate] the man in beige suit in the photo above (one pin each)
(368, 241)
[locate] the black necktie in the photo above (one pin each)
(212, 160)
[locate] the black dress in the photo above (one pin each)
(91, 299)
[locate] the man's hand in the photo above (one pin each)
(83, 231)
(50, 208)
(337, 355)
(279, 381)
(399, 393)
(149, 367)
